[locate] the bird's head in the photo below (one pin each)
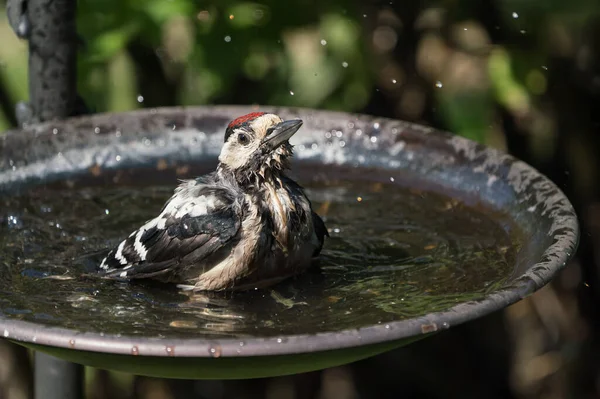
(257, 147)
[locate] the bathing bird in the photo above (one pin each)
(244, 225)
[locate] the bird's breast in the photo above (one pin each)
(285, 210)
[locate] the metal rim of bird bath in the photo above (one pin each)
(484, 167)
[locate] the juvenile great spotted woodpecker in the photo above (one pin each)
(242, 226)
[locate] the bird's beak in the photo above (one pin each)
(280, 133)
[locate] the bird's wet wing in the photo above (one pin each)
(175, 239)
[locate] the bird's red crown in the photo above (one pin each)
(245, 118)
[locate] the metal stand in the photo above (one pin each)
(49, 26)
(57, 379)
(52, 58)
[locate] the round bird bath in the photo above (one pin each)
(102, 150)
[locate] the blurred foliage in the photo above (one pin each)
(291, 52)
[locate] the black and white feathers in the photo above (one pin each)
(199, 219)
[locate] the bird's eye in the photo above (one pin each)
(242, 138)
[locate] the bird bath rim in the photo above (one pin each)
(49, 142)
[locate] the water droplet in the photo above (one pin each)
(170, 350)
(364, 15)
(140, 98)
(55, 131)
(106, 211)
(515, 15)
(359, 199)
(5, 333)
(96, 130)
(279, 340)
(376, 125)
(323, 42)
(231, 16)
(392, 179)
(242, 343)
(439, 84)
(227, 39)
(135, 351)
(387, 326)
(118, 133)
(291, 93)
(544, 67)
(523, 31)
(13, 220)
(373, 139)
(345, 64)
(342, 143)
(394, 81)
(118, 158)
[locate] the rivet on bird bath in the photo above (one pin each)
(215, 352)
(428, 230)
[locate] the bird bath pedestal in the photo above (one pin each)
(102, 149)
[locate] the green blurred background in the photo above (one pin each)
(438, 60)
(519, 75)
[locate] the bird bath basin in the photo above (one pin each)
(428, 231)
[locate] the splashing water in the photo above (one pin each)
(393, 254)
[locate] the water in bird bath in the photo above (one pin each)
(394, 253)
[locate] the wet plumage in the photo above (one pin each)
(244, 225)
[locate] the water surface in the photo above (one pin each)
(393, 254)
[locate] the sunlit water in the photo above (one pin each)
(393, 254)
